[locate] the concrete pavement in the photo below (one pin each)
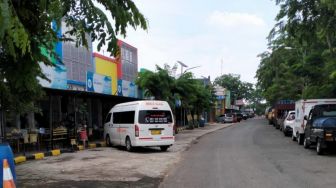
(109, 166)
(252, 154)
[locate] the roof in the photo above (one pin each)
(87, 94)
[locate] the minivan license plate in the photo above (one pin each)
(156, 132)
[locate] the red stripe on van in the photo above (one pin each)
(167, 137)
(148, 138)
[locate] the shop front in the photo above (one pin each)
(63, 115)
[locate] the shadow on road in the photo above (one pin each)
(140, 150)
(146, 182)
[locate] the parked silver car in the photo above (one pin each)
(225, 118)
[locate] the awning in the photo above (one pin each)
(86, 94)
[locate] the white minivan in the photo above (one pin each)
(140, 124)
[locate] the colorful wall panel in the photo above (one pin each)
(108, 67)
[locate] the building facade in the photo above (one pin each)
(83, 87)
(129, 61)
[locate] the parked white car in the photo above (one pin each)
(288, 124)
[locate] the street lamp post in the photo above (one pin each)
(303, 53)
(182, 65)
(182, 72)
(191, 68)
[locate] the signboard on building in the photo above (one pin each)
(126, 89)
(240, 102)
(227, 99)
(57, 74)
(98, 83)
(219, 91)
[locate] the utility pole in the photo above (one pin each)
(222, 67)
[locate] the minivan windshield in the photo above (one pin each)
(155, 117)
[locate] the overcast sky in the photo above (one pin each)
(201, 33)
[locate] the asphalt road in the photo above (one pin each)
(251, 154)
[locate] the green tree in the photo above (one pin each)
(194, 95)
(301, 63)
(238, 89)
(204, 99)
(159, 84)
(26, 28)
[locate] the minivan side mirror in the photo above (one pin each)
(305, 117)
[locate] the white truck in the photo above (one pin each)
(302, 108)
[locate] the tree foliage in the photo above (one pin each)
(194, 95)
(301, 63)
(157, 84)
(238, 88)
(26, 28)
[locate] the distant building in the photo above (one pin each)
(205, 81)
(223, 101)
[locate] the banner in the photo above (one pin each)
(127, 89)
(57, 74)
(98, 83)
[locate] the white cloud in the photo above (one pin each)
(201, 37)
(235, 19)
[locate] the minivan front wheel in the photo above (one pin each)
(128, 144)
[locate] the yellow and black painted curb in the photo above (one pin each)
(90, 146)
(56, 152)
(182, 128)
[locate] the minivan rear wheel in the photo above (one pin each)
(164, 148)
(128, 144)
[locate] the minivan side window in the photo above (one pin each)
(123, 117)
(108, 118)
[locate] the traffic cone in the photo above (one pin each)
(8, 181)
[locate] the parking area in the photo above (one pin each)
(112, 164)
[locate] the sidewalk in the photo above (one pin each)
(37, 155)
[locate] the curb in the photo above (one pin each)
(179, 129)
(55, 152)
(182, 128)
(90, 146)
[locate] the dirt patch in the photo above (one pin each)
(88, 158)
(145, 182)
(61, 159)
(96, 149)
